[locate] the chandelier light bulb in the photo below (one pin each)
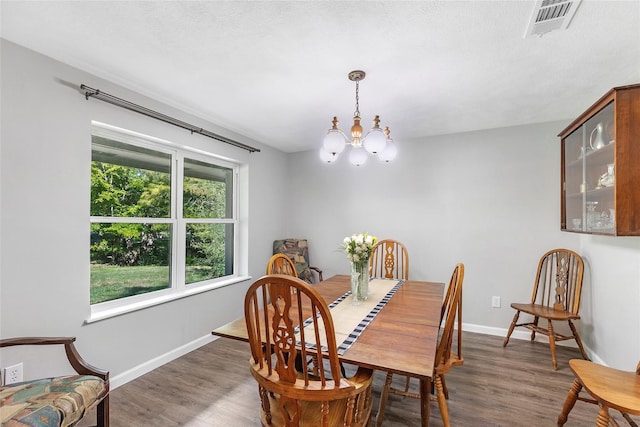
(327, 157)
(358, 156)
(375, 140)
(390, 151)
(334, 140)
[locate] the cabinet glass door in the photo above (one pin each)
(590, 174)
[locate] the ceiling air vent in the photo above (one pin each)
(549, 15)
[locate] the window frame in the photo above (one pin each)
(178, 288)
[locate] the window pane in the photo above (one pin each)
(207, 191)
(136, 224)
(209, 251)
(129, 259)
(129, 181)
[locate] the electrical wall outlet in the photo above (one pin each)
(13, 374)
(495, 302)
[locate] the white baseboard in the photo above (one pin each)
(521, 334)
(152, 364)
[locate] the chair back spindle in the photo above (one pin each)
(451, 312)
(558, 282)
(281, 264)
(389, 260)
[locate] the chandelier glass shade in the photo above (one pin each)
(376, 142)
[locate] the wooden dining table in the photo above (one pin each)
(402, 338)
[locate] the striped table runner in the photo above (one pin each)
(350, 320)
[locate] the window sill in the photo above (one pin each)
(98, 314)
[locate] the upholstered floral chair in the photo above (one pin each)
(59, 401)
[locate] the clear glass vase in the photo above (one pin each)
(360, 281)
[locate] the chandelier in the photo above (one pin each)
(376, 142)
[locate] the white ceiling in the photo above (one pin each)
(276, 72)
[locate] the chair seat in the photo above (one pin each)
(58, 401)
(618, 389)
(544, 311)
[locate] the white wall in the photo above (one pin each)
(44, 271)
(489, 199)
(611, 300)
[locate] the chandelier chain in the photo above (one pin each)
(357, 112)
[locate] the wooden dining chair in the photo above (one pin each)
(281, 264)
(389, 259)
(556, 296)
(609, 388)
(290, 394)
(446, 357)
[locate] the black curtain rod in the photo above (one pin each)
(98, 94)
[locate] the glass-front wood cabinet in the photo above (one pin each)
(600, 170)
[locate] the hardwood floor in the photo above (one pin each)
(496, 386)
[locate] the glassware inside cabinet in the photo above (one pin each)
(599, 171)
(589, 173)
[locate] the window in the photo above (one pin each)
(163, 218)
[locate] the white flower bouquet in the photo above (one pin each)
(359, 246)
